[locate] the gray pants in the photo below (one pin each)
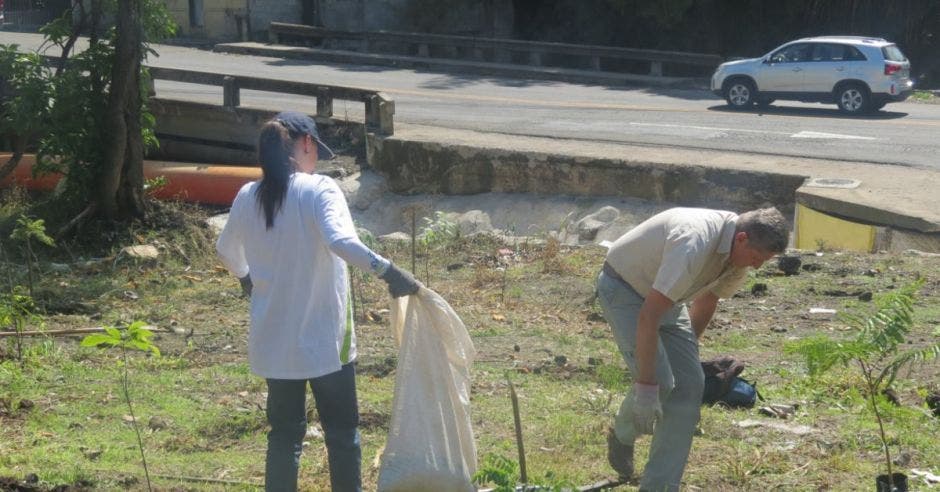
(678, 372)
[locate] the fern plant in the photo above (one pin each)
(874, 350)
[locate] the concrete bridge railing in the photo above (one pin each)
(379, 107)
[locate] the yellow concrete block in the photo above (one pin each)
(815, 229)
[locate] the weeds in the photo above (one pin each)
(437, 233)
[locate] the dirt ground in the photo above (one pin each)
(530, 308)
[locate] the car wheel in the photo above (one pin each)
(740, 93)
(853, 98)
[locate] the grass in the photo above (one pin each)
(925, 97)
(548, 337)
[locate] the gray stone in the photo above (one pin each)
(217, 222)
(473, 222)
(590, 225)
(363, 189)
(396, 237)
(141, 252)
(588, 229)
(605, 214)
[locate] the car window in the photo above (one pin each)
(825, 52)
(893, 53)
(853, 54)
(792, 53)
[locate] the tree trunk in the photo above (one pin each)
(119, 188)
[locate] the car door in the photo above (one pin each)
(830, 63)
(783, 70)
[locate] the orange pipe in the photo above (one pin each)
(198, 183)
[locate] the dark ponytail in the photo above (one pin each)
(275, 147)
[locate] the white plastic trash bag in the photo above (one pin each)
(430, 440)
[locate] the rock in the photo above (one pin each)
(216, 223)
(141, 252)
(904, 459)
(92, 454)
(157, 423)
(314, 432)
(789, 265)
(606, 215)
(778, 410)
(396, 237)
(922, 254)
(335, 173)
(362, 190)
(590, 225)
(588, 229)
(473, 222)
(933, 403)
(928, 477)
(800, 430)
(560, 360)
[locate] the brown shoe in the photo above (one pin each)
(619, 455)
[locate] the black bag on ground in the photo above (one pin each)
(723, 384)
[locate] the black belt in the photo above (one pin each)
(610, 272)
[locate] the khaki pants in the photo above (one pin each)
(678, 372)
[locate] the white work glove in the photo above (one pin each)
(646, 408)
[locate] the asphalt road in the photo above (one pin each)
(902, 134)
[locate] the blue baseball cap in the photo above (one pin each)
(300, 123)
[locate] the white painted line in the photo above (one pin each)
(802, 134)
(709, 128)
(836, 136)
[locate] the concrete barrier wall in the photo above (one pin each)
(415, 167)
(197, 132)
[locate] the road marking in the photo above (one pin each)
(708, 128)
(802, 134)
(834, 136)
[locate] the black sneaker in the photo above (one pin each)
(619, 455)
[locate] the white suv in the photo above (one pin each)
(859, 74)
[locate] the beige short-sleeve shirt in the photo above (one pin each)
(682, 253)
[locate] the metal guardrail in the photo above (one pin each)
(379, 107)
(502, 48)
